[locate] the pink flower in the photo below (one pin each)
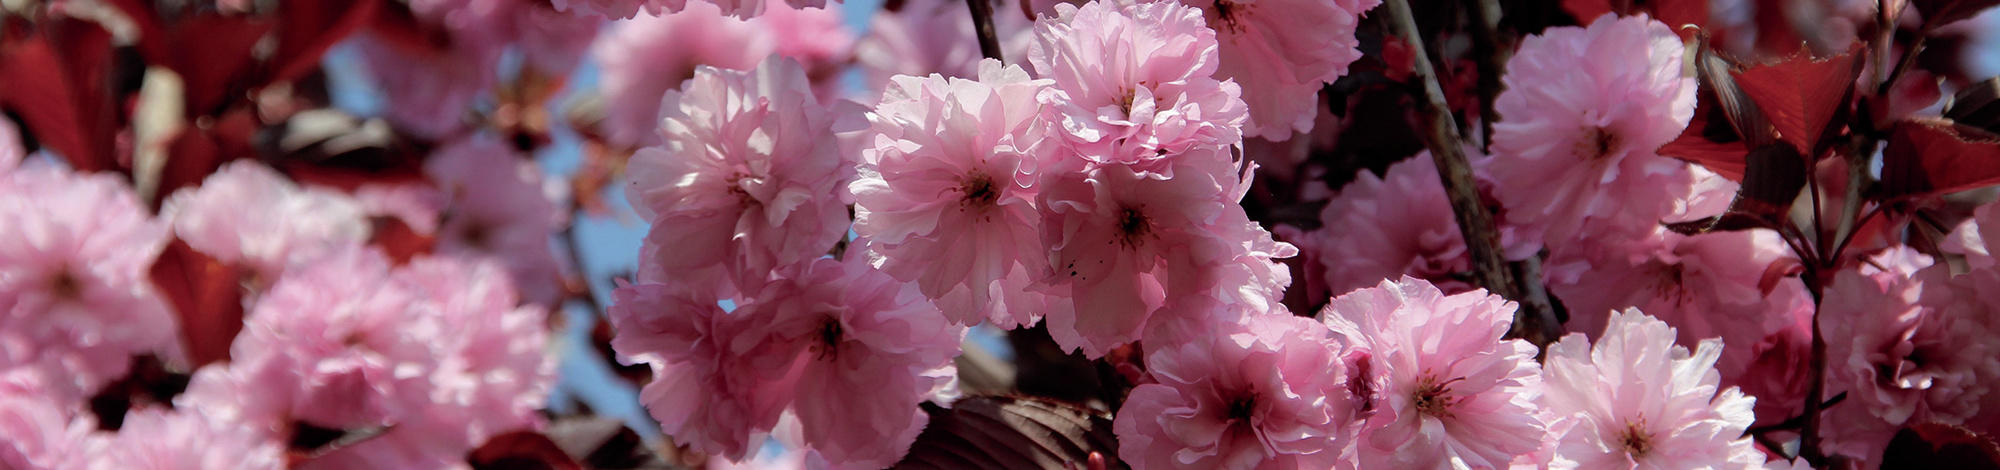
(1282, 52)
(1133, 85)
(946, 194)
(37, 431)
(11, 152)
(551, 41)
(618, 9)
(1448, 391)
(344, 328)
(643, 58)
(1969, 238)
(152, 438)
(1117, 242)
(1637, 400)
(76, 300)
(499, 209)
(846, 349)
(924, 38)
(1266, 391)
(816, 37)
(1390, 226)
(248, 214)
(1709, 285)
(1907, 344)
(748, 180)
(1583, 111)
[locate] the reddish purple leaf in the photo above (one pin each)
(1801, 95)
(1013, 432)
(220, 70)
(206, 297)
(1943, 12)
(57, 82)
(1935, 445)
(520, 450)
(1930, 157)
(307, 28)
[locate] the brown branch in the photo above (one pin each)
(1492, 54)
(982, 22)
(1532, 322)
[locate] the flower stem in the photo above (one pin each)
(982, 22)
(1534, 321)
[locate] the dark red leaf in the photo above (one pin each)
(601, 442)
(307, 28)
(398, 240)
(154, 43)
(1913, 92)
(1674, 13)
(1013, 433)
(1800, 95)
(57, 82)
(520, 450)
(1772, 178)
(1710, 140)
(222, 67)
(1943, 12)
(1977, 106)
(1936, 445)
(207, 299)
(1933, 156)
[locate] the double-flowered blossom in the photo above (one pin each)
(11, 152)
(1907, 344)
(618, 9)
(1637, 400)
(748, 179)
(498, 208)
(947, 187)
(1282, 52)
(438, 350)
(1448, 391)
(1583, 111)
(841, 346)
(75, 300)
(429, 85)
(923, 38)
(157, 439)
(1134, 85)
(248, 214)
(1242, 390)
(37, 430)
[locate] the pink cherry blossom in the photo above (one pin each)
(868, 347)
(816, 37)
(154, 438)
(1282, 52)
(551, 42)
(1637, 400)
(1117, 240)
(1583, 111)
(642, 58)
(1134, 85)
(1448, 391)
(76, 301)
(498, 208)
(37, 430)
(248, 214)
(1907, 344)
(11, 152)
(1716, 284)
(617, 9)
(747, 180)
(946, 195)
(1266, 391)
(924, 38)
(687, 340)
(1969, 238)
(1397, 224)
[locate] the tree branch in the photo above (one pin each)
(1532, 322)
(982, 22)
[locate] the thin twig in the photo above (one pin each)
(1493, 55)
(982, 22)
(1532, 322)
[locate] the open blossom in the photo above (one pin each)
(1449, 392)
(1637, 400)
(846, 349)
(76, 301)
(157, 439)
(1255, 390)
(1397, 224)
(946, 194)
(1282, 52)
(923, 38)
(428, 85)
(247, 213)
(1117, 241)
(617, 9)
(1906, 346)
(1134, 85)
(1583, 112)
(642, 58)
(1708, 285)
(1969, 238)
(748, 179)
(498, 208)
(37, 431)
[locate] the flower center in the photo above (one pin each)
(979, 190)
(1433, 397)
(1668, 282)
(1133, 226)
(1596, 143)
(1241, 407)
(1636, 441)
(830, 337)
(1228, 16)
(65, 285)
